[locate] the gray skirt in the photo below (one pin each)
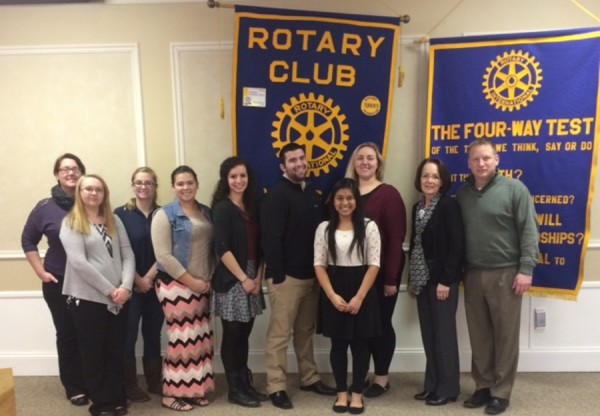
(236, 305)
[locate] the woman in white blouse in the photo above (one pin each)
(347, 252)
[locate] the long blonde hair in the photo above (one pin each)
(351, 171)
(77, 218)
(130, 205)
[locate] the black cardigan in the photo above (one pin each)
(443, 242)
(230, 235)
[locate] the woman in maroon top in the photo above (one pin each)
(383, 204)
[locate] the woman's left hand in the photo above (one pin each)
(442, 292)
(120, 295)
(389, 290)
(354, 305)
(257, 287)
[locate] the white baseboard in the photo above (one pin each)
(569, 343)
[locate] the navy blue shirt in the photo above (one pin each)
(138, 230)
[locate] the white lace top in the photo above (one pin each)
(343, 240)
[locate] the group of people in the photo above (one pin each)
(332, 267)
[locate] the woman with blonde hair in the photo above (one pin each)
(98, 281)
(144, 306)
(383, 204)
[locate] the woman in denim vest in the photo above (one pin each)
(182, 236)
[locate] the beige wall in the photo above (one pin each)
(156, 30)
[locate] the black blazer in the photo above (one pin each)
(230, 235)
(443, 242)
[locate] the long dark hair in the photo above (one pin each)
(358, 219)
(222, 188)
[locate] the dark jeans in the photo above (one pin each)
(69, 359)
(338, 356)
(144, 307)
(101, 336)
(234, 345)
(382, 347)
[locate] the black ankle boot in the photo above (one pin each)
(237, 393)
(130, 383)
(248, 383)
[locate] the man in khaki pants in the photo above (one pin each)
(501, 235)
(289, 217)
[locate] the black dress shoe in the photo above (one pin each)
(480, 398)
(496, 405)
(424, 395)
(320, 388)
(280, 399)
(79, 400)
(376, 390)
(436, 400)
(106, 413)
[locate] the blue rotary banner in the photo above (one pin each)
(321, 80)
(536, 96)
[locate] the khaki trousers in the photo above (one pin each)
(293, 314)
(493, 317)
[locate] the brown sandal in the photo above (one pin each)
(179, 405)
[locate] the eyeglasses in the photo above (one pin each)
(91, 190)
(141, 184)
(67, 169)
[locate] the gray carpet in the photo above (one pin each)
(543, 394)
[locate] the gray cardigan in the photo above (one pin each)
(91, 273)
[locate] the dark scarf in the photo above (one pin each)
(418, 268)
(61, 198)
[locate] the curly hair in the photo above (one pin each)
(222, 189)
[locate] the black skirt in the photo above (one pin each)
(335, 324)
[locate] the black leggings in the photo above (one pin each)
(234, 345)
(382, 347)
(338, 356)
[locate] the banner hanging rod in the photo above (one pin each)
(212, 4)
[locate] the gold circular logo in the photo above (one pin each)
(512, 80)
(370, 105)
(317, 124)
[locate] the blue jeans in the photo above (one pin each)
(144, 307)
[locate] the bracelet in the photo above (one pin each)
(243, 281)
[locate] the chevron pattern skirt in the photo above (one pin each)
(187, 369)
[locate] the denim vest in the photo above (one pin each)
(181, 231)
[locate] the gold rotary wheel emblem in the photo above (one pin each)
(316, 124)
(512, 80)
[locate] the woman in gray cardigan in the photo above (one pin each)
(98, 281)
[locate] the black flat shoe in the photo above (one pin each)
(439, 401)
(424, 395)
(376, 390)
(357, 410)
(340, 408)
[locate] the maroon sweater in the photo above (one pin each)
(384, 205)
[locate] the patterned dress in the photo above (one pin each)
(188, 369)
